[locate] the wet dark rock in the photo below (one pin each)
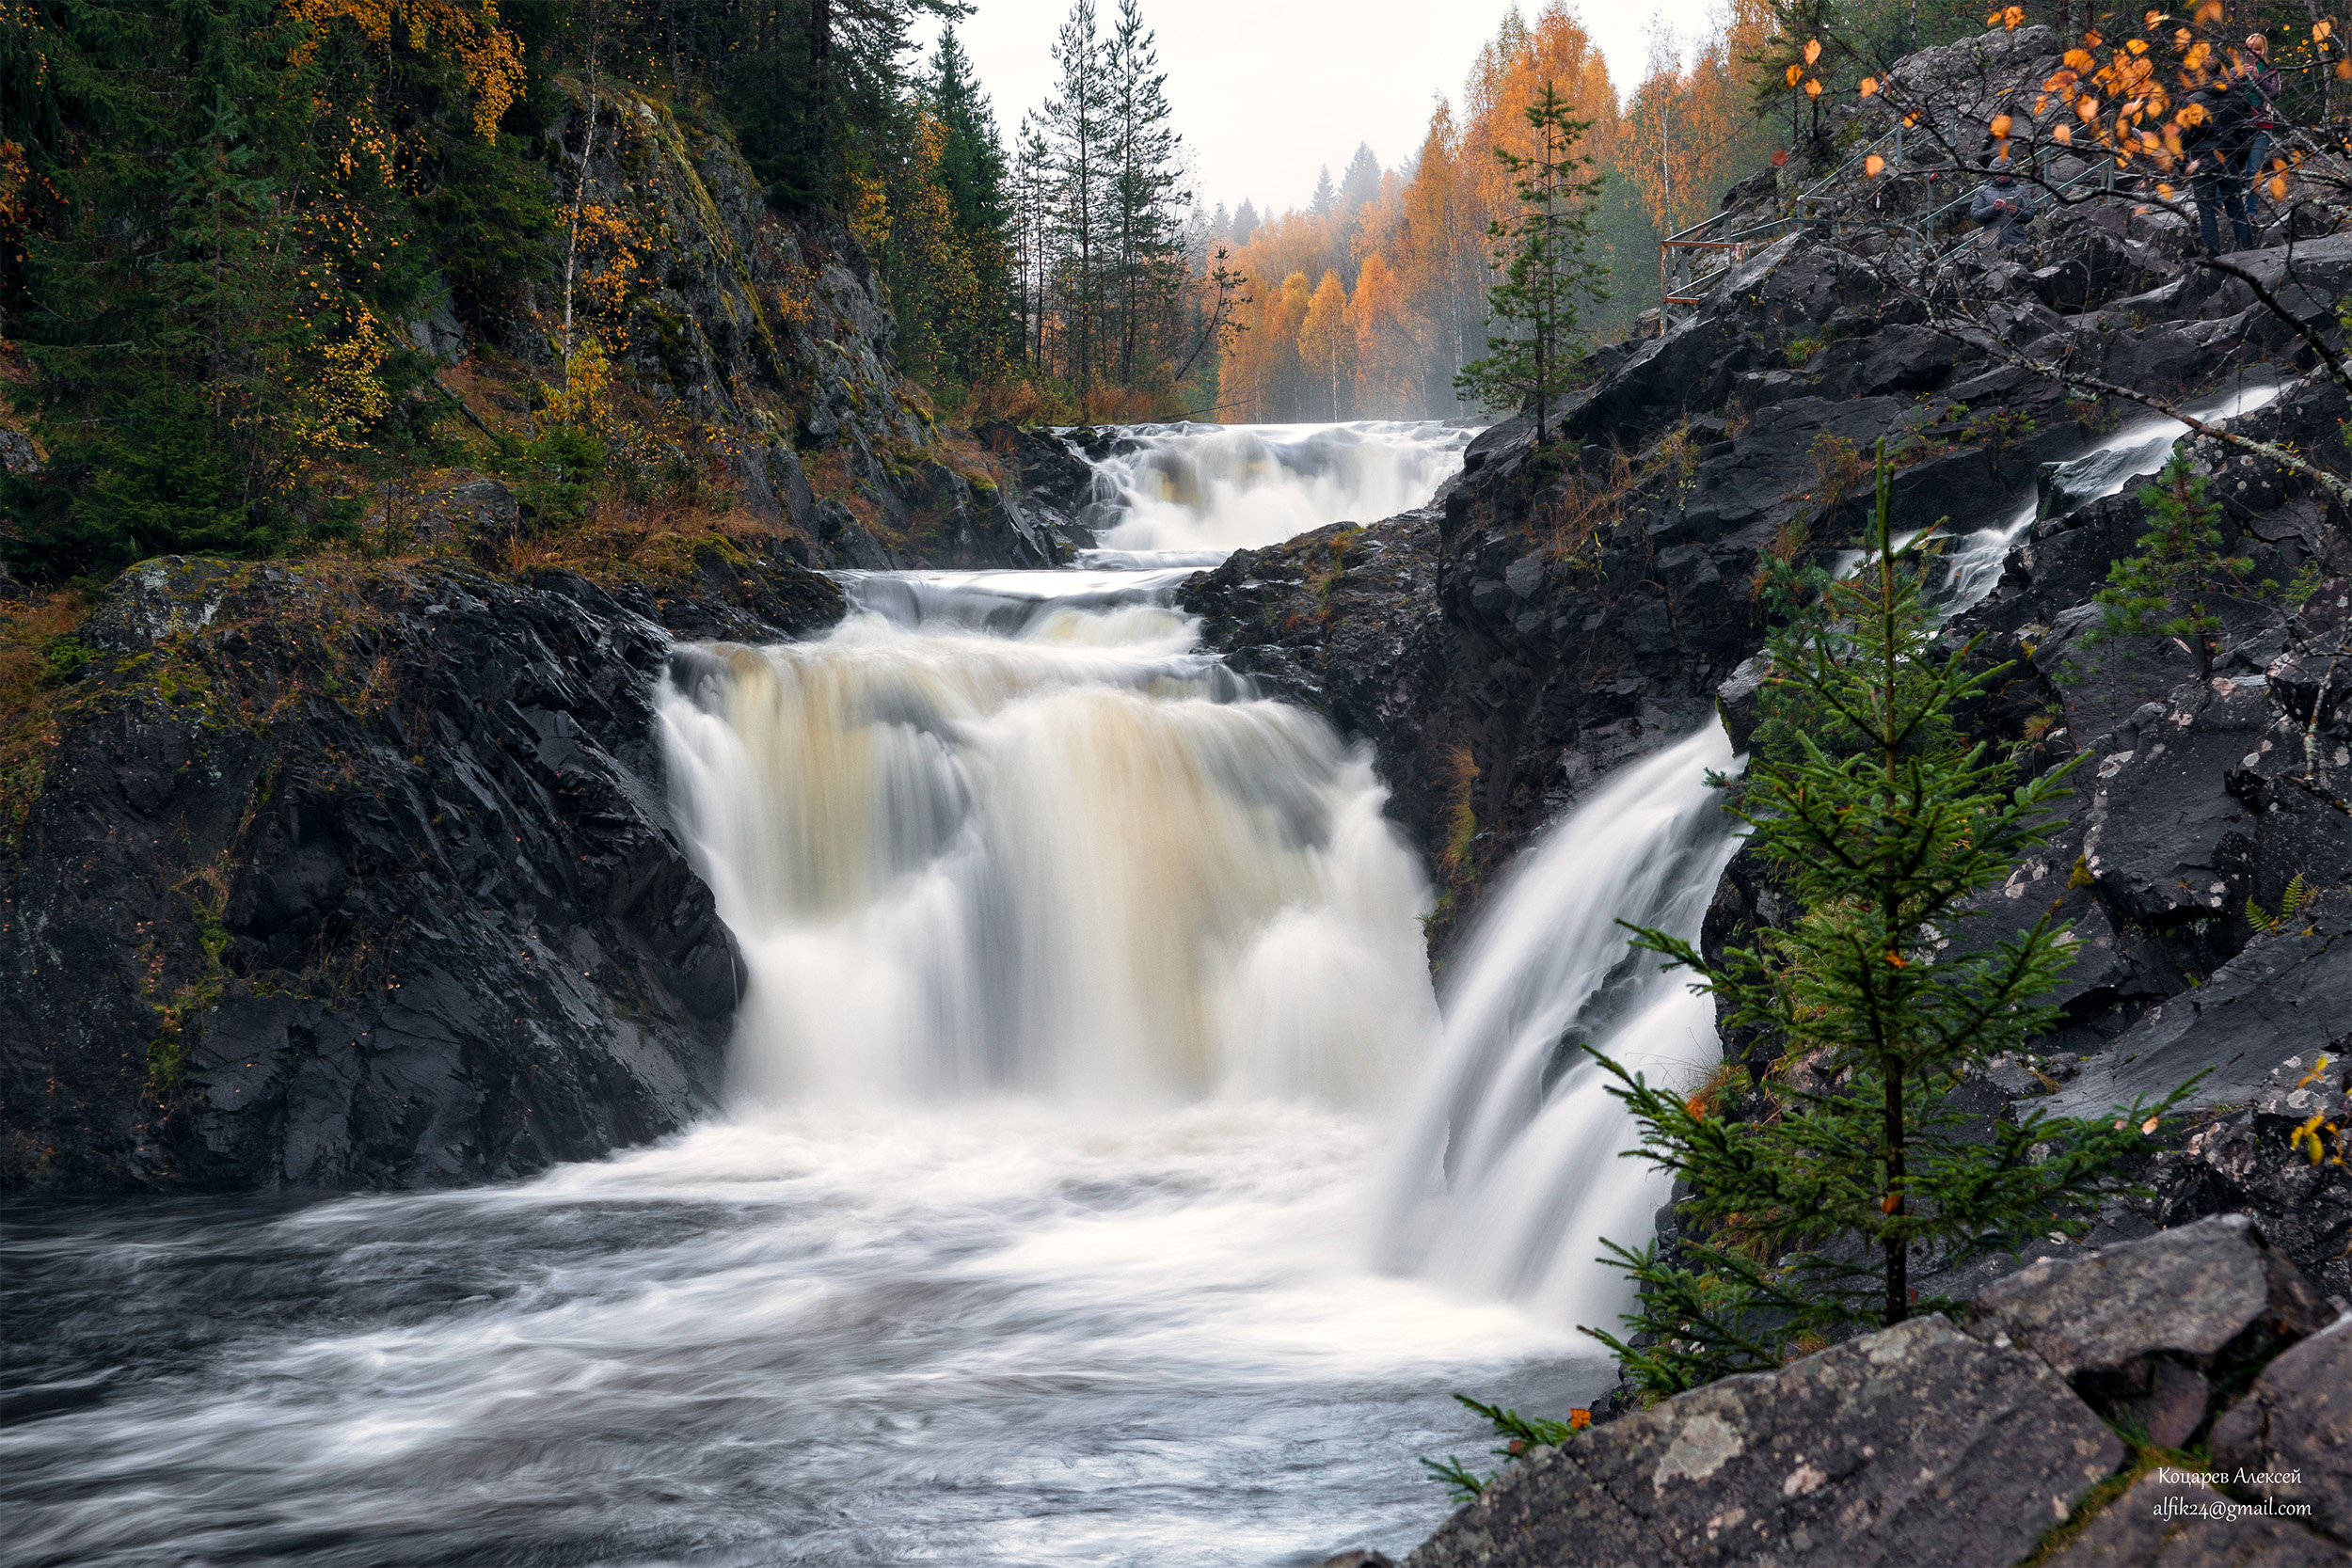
(1918, 1444)
(2289, 990)
(1054, 484)
(365, 876)
(2144, 1330)
(2293, 1432)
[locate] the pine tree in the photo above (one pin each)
(1360, 185)
(1887, 827)
(1327, 196)
(971, 172)
(1245, 222)
(1148, 191)
(1545, 271)
(1080, 123)
(2167, 586)
(1034, 202)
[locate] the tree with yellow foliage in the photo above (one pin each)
(1327, 341)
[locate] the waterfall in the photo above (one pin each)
(1072, 859)
(2136, 452)
(1207, 490)
(1505, 1175)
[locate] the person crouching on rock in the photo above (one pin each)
(2217, 121)
(2005, 207)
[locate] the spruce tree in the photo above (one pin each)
(2168, 585)
(1083, 131)
(1546, 273)
(1148, 191)
(1888, 827)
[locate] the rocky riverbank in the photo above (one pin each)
(2050, 1426)
(345, 875)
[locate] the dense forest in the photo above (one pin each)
(237, 237)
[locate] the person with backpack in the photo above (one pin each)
(2215, 144)
(2261, 88)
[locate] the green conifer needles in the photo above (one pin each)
(1887, 826)
(1544, 269)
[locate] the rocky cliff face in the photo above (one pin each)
(770, 334)
(354, 876)
(1553, 616)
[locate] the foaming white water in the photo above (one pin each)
(1216, 488)
(2132, 452)
(1049, 862)
(1506, 1175)
(996, 1332)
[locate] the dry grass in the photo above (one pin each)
(1568, 522)
(1461, 821)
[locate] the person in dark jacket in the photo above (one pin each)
(2260, 85)
(2215, 146)
(2006, 207)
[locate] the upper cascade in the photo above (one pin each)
(1203, 491)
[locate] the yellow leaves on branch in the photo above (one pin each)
(491, 56)
(329, 406)
(1812, 50)
(1870, 85)
(1874, 166)
(2000, 127)
(584, 400)
(1793, 73)
(1813, 87)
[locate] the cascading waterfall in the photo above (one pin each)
(1215, 488)
(2136, 452)
(1051, 862)
(1080, 984)
(1506, 1177)
(1084, 990)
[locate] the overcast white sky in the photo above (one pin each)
(1266, 92)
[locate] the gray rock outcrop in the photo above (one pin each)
(1931, 1443)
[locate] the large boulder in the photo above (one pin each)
(344, 876)
(1917, 1445)
(2143, 1331)
(2290, 1438)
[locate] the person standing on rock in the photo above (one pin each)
(2217, 119)
(2006, 207)
(2259, 88)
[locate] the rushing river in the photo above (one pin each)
(1102, 1182)
(1044, 1224)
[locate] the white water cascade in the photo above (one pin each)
(1103, 1186)
(1048, 864)
(2134, 453)
(1081, 987)
(1203, 491)
(1507, 1175)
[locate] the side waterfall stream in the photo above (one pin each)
(1102, 1184)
